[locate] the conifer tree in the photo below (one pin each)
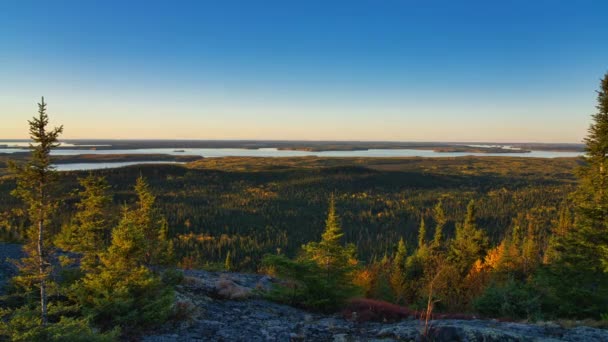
(440, 222)
(34, 184)
(336, 262)
(579, 277)
(398, 269)
(125, 292)
(422, 234)
(530, 250)
(329, 253)
(156, 247)
(470, 242)
(564, 224)
(89, 230)
(591, 231)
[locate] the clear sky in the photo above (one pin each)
(339, 70)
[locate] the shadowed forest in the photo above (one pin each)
(253, 206)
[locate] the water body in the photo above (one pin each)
(271, 152)
(98, 166)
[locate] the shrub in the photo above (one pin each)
(304, 285)
(510, 300)
(184, 311)
(172, 277)
(364, 310)
(24, 325)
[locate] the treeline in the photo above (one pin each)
(250, 213)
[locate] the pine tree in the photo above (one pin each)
(34, 183)
(156, 247)
(89, 230)
(329, 253)
(578, 277)
(530, 250)
(398, 269)
(335, 262)
(591, 231)
(125, 292)
(470, 242)
(422, 234)
(563, 226)
(440, 222)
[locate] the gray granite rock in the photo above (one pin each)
(255, 319)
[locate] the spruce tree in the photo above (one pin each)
(470, 242)
(398, 269)
(329, 253)
(563, 226)
(578, 278)
(125, 291)
(422, 234)
(156, 248)
(440, 222)
(335, 262)
(34, 187)
(89, 231)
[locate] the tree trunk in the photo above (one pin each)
(41, 266)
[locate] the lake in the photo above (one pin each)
(99, 166)
(273, 152)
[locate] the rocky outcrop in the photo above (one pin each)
(229, 307)
(217, 306)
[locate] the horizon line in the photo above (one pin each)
(305, 140)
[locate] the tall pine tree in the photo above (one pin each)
(578, 277)
(34, 187)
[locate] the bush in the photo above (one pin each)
(572, 294)
(133, 300)
(510, 300)
(24, 325)
(303, 284)
(364, 310)
(172, 277)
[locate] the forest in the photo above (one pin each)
(499, 237)
(252, 206)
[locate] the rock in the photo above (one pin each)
(584, 334)
(226, 288)
(221, 317)
(340, 338)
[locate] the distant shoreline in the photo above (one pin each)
(313, 146)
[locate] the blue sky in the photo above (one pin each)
(337, 70)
